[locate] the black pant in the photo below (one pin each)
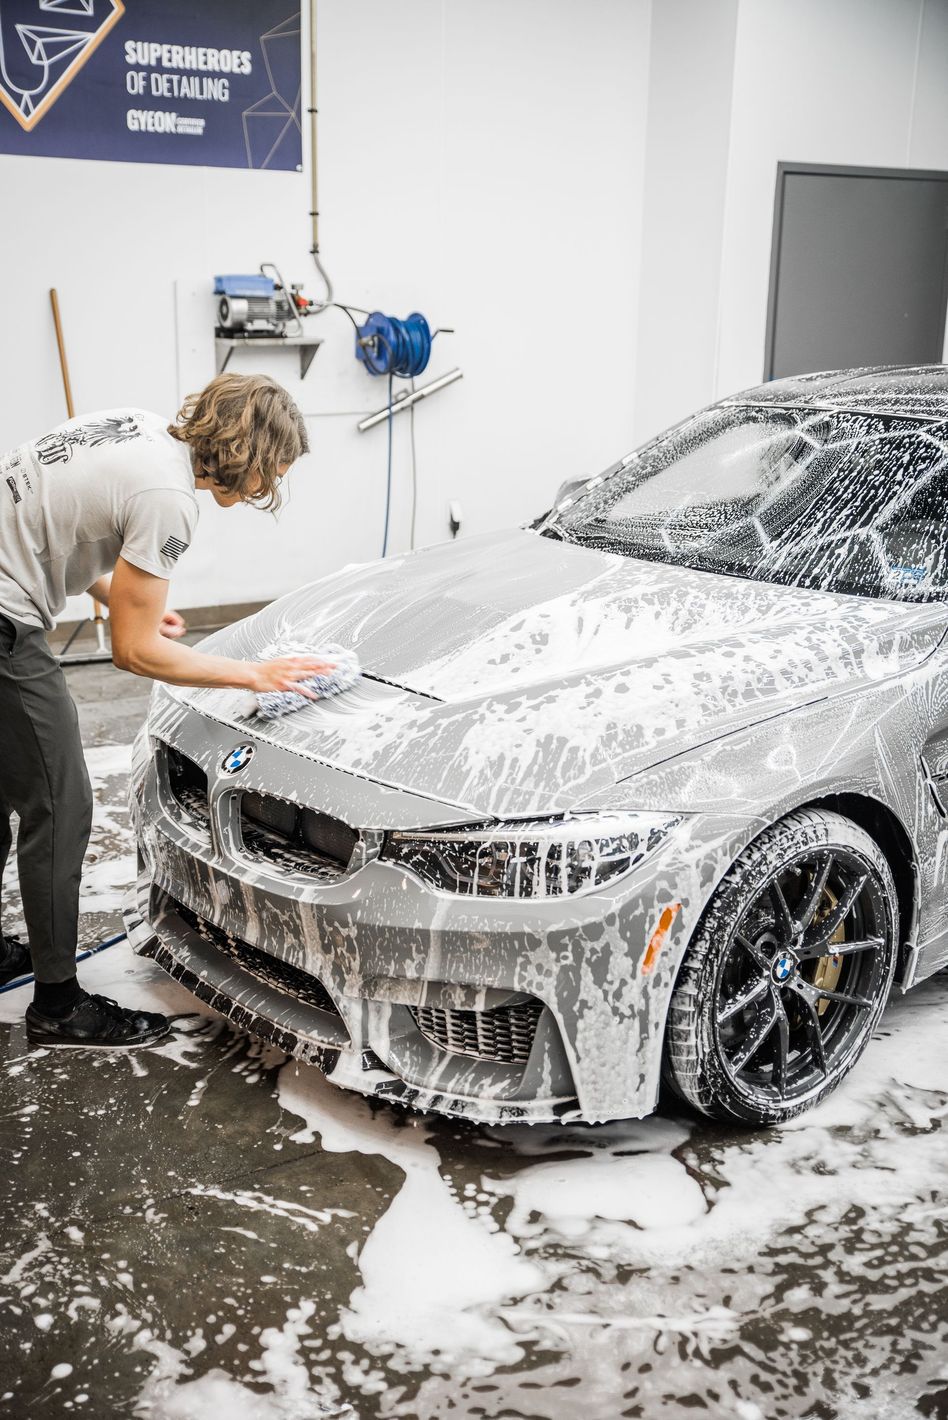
(43, 778)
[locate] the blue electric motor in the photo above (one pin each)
(259, 304)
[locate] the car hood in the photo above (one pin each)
(518, 675)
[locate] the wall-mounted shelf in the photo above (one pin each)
(225, 345)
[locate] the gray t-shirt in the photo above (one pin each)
(71, 502)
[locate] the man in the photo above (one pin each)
(106, 504)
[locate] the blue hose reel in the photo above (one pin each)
(389, 346)
(397, 348)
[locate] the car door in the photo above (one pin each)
(932, 820)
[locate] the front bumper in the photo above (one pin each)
(157, 929)
(346, 973)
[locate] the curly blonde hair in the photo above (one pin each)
(241, 429)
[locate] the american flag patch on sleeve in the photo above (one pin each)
(174, 547)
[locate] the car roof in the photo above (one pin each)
(908, 391)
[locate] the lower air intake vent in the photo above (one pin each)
(275, 972)
(504, 1034)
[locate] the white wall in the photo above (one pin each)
(691, 78)
(737, 86)
(860, 82)
(585, 190)
(480, 161)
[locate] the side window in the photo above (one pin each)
(913, 530)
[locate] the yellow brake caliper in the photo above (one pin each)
(829, 968)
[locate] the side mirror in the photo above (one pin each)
(571, 486)
(565, 490)
(575, 485)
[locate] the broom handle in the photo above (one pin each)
(61, 345)
(70, 411)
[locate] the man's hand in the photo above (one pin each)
(286, 672)
(172, 625)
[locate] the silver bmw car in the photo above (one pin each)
(656, 787)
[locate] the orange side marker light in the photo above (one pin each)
(659, 937)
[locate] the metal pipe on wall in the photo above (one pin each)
(406, 401)
(313, 151)
(313, 114)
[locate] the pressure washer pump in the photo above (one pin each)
(259, 304)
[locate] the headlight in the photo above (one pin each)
(545, 858)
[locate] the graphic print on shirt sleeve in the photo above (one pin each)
(174, 547)
(58, 447)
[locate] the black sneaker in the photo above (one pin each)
(96, 1022)
(15, 959)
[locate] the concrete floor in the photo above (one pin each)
(205, 1230)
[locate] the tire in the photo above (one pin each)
(787, 974)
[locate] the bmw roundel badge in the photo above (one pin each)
(238, 759)
(783, 967)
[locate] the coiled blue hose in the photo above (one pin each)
(389, 346)
(388, 473)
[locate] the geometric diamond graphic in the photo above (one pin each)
(46, 47)
(281, 49)
(38, 61)
(69, 7)
(274, 120)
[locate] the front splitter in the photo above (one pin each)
(346, 1066)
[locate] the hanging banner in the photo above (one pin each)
(152, 81)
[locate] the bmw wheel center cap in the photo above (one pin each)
(237, 759)
(783, 968)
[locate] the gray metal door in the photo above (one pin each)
(859, 268)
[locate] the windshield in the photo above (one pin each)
(837, 501)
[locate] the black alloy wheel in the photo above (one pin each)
(787, 974)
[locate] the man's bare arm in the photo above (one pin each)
(171, 624)
(137, 605)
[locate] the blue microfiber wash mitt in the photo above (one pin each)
(270, 704)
